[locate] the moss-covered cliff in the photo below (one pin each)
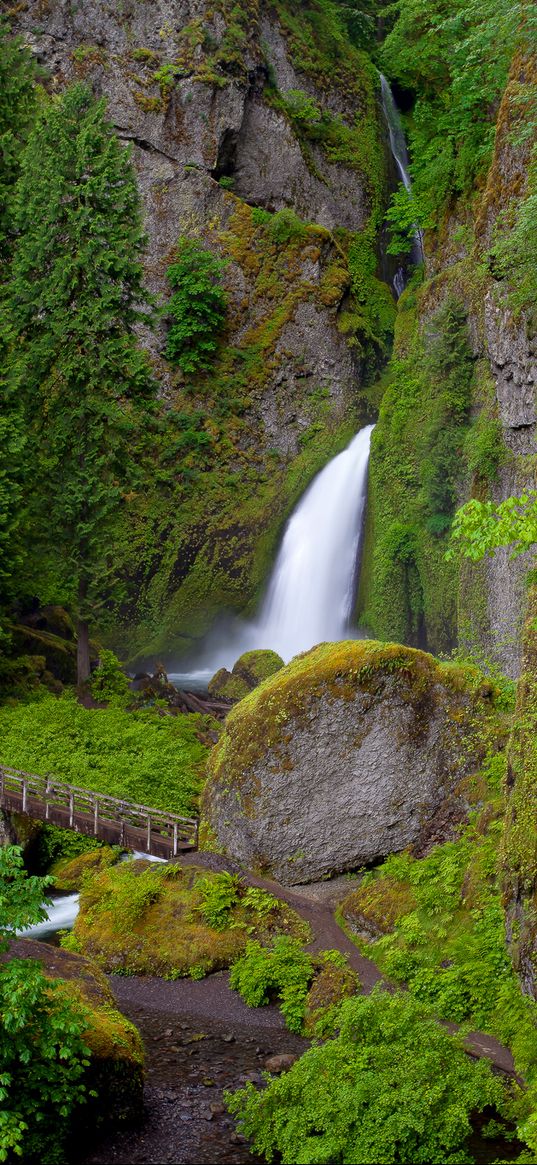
(256, 130)
(458, 414)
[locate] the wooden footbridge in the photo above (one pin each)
(97, 815)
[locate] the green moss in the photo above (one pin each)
(136, 918)
(519, 844)
(424, 452)
(264, 718)
(69, 873)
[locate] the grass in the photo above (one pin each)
(141, 756)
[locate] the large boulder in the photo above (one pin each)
(351, 752)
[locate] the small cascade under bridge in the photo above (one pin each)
(115, 821)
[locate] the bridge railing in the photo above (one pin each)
(26, 792)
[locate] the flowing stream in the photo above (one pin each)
(400, 156)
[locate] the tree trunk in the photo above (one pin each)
(82, 653)
(82, 646)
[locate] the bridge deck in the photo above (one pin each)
(110, 819)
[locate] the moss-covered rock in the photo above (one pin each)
(69, 873)
(116, 1064)
(250, 670)
(373, 909)
(334, 981)
(227, 686)
(256, 666)
(352, 751)
(138, 918)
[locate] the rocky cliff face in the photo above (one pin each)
(408, 591)
(236, 114)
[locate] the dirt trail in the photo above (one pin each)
(328, 935)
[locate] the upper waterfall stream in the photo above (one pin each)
(400, 156)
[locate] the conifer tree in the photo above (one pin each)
(76, 295)
(18, 75)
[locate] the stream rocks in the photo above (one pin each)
(353, 751)
(250, 670)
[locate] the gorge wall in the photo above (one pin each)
(257, 129)
(458, 418)
(247, 137)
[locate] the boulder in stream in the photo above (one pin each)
(250, 670)
(353, 751)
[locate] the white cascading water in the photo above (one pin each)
(311, 590)
(400, 156)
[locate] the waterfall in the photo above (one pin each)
(400, 156)
(311, 590)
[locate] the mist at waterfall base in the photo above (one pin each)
(311, 590)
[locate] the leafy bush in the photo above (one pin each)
(286, 227)
(392, 1086)
(283, 971)
(155, 760)
(109, 681)
(197, 306)
(43, 1056)
(219, 895)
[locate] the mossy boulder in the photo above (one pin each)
(69, 873)
(374, 908)
(116, 1068)
(353, 751)
(250, 670)
(167, 920)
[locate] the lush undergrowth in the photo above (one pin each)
(138, 918)
(437, 925)
(151, 759)
(391, 1086)
(430, 441)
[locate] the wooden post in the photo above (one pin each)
(175, 839)
(71, 810)
(47, 791)
(196, 832)
(96, 817)
(24, 794)
(148, 846)
(1, 782)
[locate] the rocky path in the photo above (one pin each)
(328, 935)
(201, 1039)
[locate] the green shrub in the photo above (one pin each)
(197, 306)
(393, 1086)
(283, 970)
(43, 1056)
(108, 681)
(286, 227)
(219, 895)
